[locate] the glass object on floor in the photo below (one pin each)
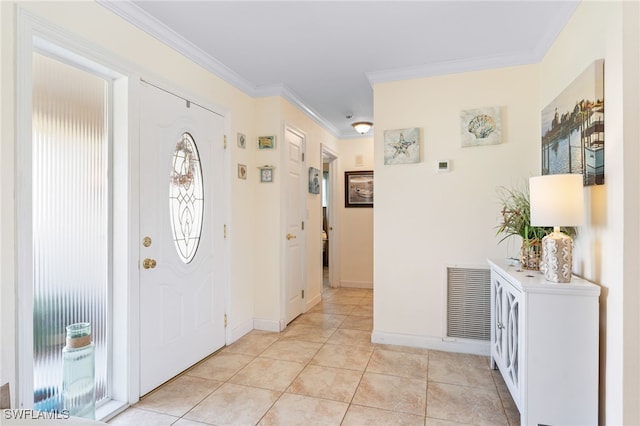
(78, 363)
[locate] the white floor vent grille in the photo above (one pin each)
(468, 303)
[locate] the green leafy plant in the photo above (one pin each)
(516, 216)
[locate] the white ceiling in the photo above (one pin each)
(325, 55)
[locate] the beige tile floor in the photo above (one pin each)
(324, 370)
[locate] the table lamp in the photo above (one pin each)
(557, 200)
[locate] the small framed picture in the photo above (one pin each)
(358, 189)
(266, 142)
(402, 146)
(314, 180)
(242, 141)
(266, 174)
(482, 126)
(242, 171)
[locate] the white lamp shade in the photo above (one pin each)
(556, 200)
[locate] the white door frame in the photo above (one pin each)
(334, 223)
(283, 218)
(35, 33)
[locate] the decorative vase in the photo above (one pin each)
(78, 363)
(530, 254)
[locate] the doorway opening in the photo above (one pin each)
(329, 219)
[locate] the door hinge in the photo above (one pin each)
(303, 225)
(225, 230)
(303, 294)
(303, 157)
(225, 142)
(225, 320)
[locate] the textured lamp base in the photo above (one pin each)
(557, 251)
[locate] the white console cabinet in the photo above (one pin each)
(544, 341)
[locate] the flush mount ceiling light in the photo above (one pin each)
(362, 127)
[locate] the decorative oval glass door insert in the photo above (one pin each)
(186, 198)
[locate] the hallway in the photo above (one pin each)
(324, 370)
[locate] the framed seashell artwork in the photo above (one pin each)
(481, 126)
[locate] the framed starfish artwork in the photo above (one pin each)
(402, 146)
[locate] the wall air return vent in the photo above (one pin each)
(468, 303)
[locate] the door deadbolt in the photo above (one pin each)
(146, 241)
(149, 263)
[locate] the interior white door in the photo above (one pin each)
(294, 253)
(181, 270)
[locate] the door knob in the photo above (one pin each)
(149, 263)
(290, 237)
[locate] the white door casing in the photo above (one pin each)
(295, 209)
(181, 304)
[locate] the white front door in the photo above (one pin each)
(182, 256)
(294, 252)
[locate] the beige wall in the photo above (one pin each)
(355, 237)
(607, 248)
(426, 220)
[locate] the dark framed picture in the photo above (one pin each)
(358, 189)
(314, 180)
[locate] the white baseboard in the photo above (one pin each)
(468, 347)
(356, 284)
(266, 325)
(237, 332)
(313, 302)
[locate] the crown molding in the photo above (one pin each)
(449, 67)
(288, 94)
(561, 15)
(128, 11)
(131, 13)
(558, 20)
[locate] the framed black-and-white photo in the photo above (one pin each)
(358, 189)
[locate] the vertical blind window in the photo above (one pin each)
(71, 232)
